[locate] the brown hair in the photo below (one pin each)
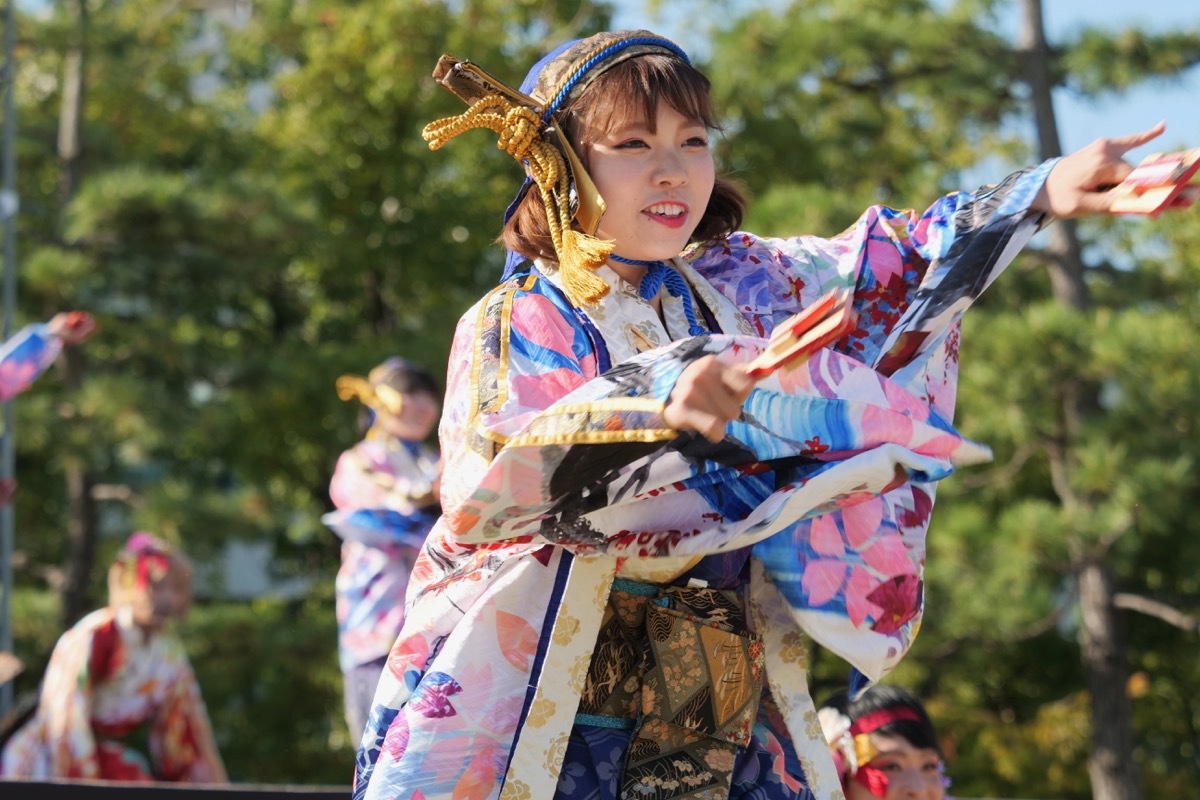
(632, 90)
(406, 377)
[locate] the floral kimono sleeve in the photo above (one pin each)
(26, 356)
(853, 577)
(380, 502)
(181, 739)
(58, 740)
(556, 453)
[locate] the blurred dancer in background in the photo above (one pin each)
(119, 700)
(884, 746)
(385, 489)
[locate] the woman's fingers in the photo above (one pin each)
(1111, 167)
(1078, 184)
(1126, 143)
(707, 397)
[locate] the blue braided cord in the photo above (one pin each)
(616, 723)
(652, 281)
(603, 54)
(635, 262)
(658, 274)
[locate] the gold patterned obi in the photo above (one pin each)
(678, 667)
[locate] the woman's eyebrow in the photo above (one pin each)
(896, 751)
(631, 126)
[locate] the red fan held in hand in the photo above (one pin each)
(1160, 182)
(819, 325)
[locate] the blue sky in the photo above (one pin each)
(1080, 120)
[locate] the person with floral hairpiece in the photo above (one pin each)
(638, 529)
(29, 352)
(119, 678)
(884, 745)
(385, 491)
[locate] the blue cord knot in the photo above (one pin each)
(659, 274)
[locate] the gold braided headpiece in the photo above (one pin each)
(380, 398)
(578, 253)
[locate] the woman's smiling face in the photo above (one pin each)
(656, 178)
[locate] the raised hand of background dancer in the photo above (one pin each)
(72, 327)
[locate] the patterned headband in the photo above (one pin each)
(862, 728)
(850, 741)
(575, 66)
(528, 132)
(869, 723)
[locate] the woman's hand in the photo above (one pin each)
(73, 327)
(707, 397)
(1078, 184)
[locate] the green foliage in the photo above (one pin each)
(1015, 543)
(272, 686)
(858, 105)
(1097, 61)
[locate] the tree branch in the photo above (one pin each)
(1153, 608)
(1030, 631)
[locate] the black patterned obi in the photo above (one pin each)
(677, 666)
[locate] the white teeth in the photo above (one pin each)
(667, 209)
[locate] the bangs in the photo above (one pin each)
(919, 734)
(632, 91)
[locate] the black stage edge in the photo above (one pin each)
(13, 789)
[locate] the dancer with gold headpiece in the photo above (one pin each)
(385, 489)
(120, 677)
(639, 526)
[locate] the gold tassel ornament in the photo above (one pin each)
(519, 129)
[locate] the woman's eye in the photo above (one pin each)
(697, 141)
(631, 144)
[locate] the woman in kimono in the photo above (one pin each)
(638, 528)
(118, 678)
(884, 746)
(385, 491)
(28, 354)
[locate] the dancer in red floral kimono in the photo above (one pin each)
(120, 676)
